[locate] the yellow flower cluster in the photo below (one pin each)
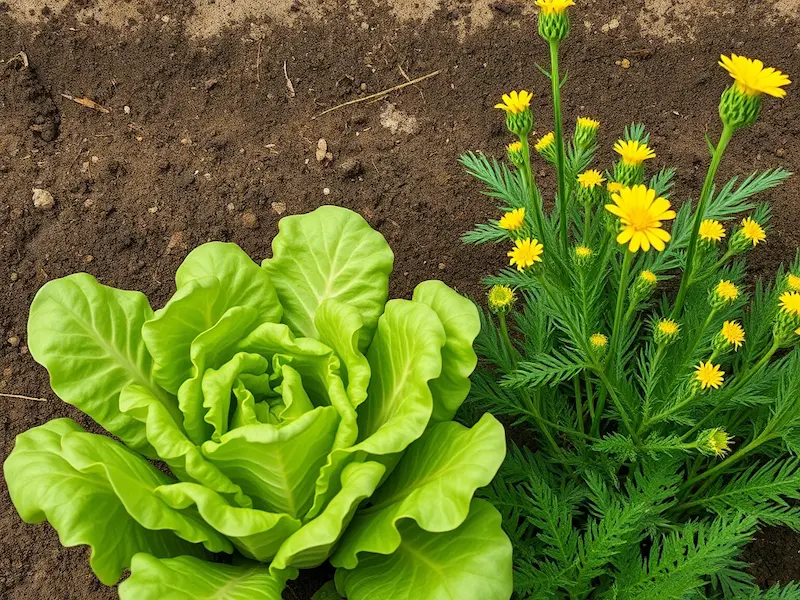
(633, 152)
(591, 179)
(709, 375)
(512, 220)
(515, 102)
(545, 141)
(752, 78)
(554, 7)
(752, 231)
(733, 334)
(525, 253)
(711, 231)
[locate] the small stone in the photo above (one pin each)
(13, 341)
(152, 210)
(175, 240)
(625, 63)
(89, 258)
(95, 159)
(23, 349)
(364, 25)
(363, 87)
(186, 141)
(326, 191)
(231, 207)
(42, 199)
(780, 152)
(127, 109)
(351, 168)
(7, 372)
(211, 84)
(279, 207)
(442, 266)
(14, 276)
(165, 19)
(322, 150)
(249, 220)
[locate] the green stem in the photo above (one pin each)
(589, 396)
(527, 175)
(587, 225)
(621, 293)
(512, 352)
(578, 401)
(560, 155)
(724, 139)
(618, 405)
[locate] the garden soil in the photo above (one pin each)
(206, 125)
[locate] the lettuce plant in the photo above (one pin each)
(666, 421)
(302, 418)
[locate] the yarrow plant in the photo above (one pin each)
(302, 417)
(666, 422)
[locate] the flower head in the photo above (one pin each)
(525, 253)
(715, 441)
(588, 123)
(515, 102)
(633, 152)
(501, 298)
(545, 141)
(598, 341)
(793, 281)
(752, 78)
(583, 252)
(733, 334)
(648, 277)
(514, 147)
(726, 291)
(591, 179)
(641, 214)
(614, 187)
(790, 303)
(711, 231)
(709, 375)
(668, 327)
(752, 231)
(512, 220)
(554, 7)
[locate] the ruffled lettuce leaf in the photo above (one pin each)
(472, 562)
(88, 337)
(213, 278)
(433, 485)
(188, 578)
(331, 253)
(95, 491)
(461, 322)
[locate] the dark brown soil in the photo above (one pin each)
(213, 147)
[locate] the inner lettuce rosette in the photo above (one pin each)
(302, 417)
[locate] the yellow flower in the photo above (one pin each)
(668, 327)
(614, 187)
(598, 340)
(591, 179)
(641, 214)
(753, 231)
(649, 277)
(512, 220)
(726, 291)
(790, 303)
(633, 152)
(554, 7)
(526, 253)
(794, 282)
(514, 147)
(718, 441)
(583, 252)
(501, 297)
(733, 334)
(588, 123)
(752, 78)
(545, 141)
(711, 230)
(515, 102)
(709, 375)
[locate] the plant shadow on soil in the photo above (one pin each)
(212, 146)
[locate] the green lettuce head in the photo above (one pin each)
(303, 418)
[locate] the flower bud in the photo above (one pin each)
(737, 109)
(585, 132)
(666, 332)
(501, 299)
(546, 147)
(515, 154)
(730, 336)
(787, 322)
(598, 343)
(582, 256)
(723, 294)
(714, 442)
(645, 284)
(554, 27)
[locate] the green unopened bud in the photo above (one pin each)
(501, 299)
(644, 285)
(585, 132)
(737, 109)
(723, 294)
(521, 123)
(714, 442)
(554, 27)
(598, 343)
(666, 332)
(582, 256)
(546, 147)
(628, 174)
(787, 323)
(515, 154)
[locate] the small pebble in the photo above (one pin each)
(14, 277)
(364, 25)
(231, 207)
(249, 220)
(13, 341)
(127, 109)
(165, 19)
(363, 87)
(326, 192)
(279, 207)
(441, 266)
(42, 199)
(780, 152)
